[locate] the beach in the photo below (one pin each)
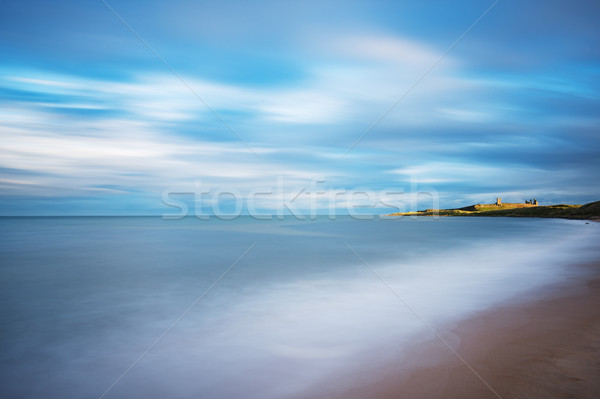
(545, 346)
(298, 309)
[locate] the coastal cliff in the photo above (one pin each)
(588, 211)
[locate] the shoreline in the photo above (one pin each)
(595, 219)
(544, 344)
(589, 211)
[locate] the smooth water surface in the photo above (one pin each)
(303, 302)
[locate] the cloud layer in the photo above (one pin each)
(77, 139)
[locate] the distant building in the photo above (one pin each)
(532, 202)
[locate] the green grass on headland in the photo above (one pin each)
(587, 211)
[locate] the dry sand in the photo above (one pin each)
(540, 348)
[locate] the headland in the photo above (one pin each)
(529, 209)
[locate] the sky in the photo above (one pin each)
(159, 107)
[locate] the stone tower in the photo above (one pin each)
(498, 201)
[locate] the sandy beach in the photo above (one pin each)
(545, 346)
(302, 316)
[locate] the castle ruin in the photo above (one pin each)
(532, 202)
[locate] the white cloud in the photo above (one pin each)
(448, 172)
(136, 140)
(57, 154)
(358, 77)
(402, 52)
(465, 115)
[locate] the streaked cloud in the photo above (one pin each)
(508, 112)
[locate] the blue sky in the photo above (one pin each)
(93, 122)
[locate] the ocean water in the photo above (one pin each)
(150, 308)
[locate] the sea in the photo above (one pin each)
(142, 307)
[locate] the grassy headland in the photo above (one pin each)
(587, 211)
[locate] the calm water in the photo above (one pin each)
(82, 298)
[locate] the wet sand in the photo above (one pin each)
(536, 348)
